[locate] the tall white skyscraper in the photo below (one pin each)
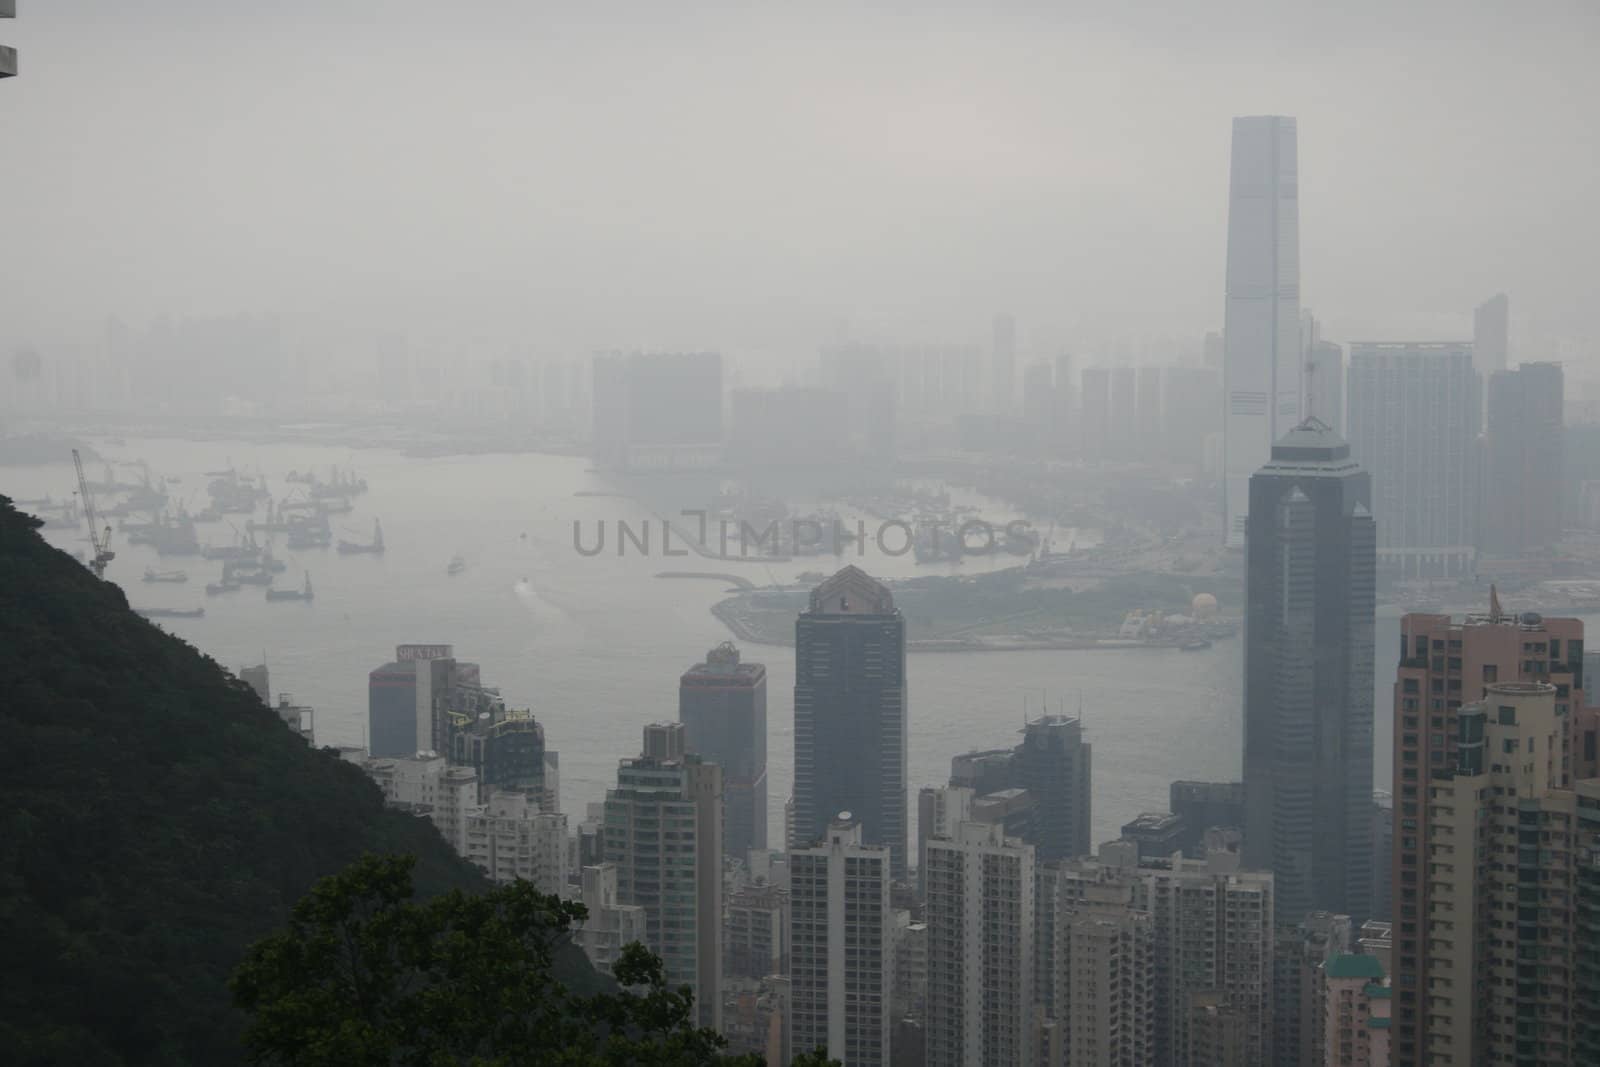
(840, 937)
(1261, 330)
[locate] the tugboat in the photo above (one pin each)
(303, 593)
(375, 548)
(457, 565)
(151, 575)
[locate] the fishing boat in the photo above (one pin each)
(303, 593)
(151, 575)
(375, 547)
(170, 613)
(457, 565)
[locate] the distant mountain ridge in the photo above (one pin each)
(155, 820)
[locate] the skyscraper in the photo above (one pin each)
(1325, 384)
(1053, 764)
(980, 886)
(1261, 327)
(1445, 663)
(401, 714)
(8, 55)
(1414, 428)
(1491, 335)
(1310, 601)
(1004, 354)
(1523, 486)
(663, 832)
(850, 713)
(839, 944)
(722, 704)
(1095, 413)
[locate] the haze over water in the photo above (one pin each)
(595, 645)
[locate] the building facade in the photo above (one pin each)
(511, 838)
(1444, 664)
(611, 925)
(850, 712)
(840, 942)
(663, 833)
(980, 917)
(1310, 600)
(1524, 494)
(1414, 419)
(1491, 336)
(722, 704)
(1261, 321)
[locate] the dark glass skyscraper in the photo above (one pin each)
(1310, 571)
(850, 713)
(722, 704)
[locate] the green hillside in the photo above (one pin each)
(155, 820)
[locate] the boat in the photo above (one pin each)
(457, 565)
(303, 593)
(375, 547)
(248, 577)
(151, 575)
(224, 586)
(170, 613)
(1198, 644)
(310, 536)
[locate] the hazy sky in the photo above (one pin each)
(567, 176)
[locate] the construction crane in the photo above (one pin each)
(100, 542)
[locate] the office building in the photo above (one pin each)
(400, 701)
(980, 915)
(722, 704)
(1157, 834)
(512, 838)
(1325, 380)
(1203, 806)
(611, 925)
(850, 713)
(1261, 324)
(1212, 928)
(788, 427)
(839, 945)
(1053, 765)
(1444, 664)
(1147, 413)
(1414, 418)
(1003, 350)
(1309, 615)
(657, 411)
(1039, 408)
(1499, 963)
(663, 832)
(506, 747)
(1524, 494)
(1192, 406)
(1353, 1015)
(1491, 336)
(1122, 426)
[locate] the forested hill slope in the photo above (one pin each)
(155, 820)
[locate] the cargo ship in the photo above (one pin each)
(374, 547)
(152, 575)
(303, 593)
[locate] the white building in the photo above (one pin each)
(839, 945)
(610, 925)
(511, 838)
(428, 785)
(980, 916)
(1261, 327)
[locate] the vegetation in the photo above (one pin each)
(155, 821)
(364, 976)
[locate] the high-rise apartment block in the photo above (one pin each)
(1500, 964)
(663, 833)
(657, 411)
(1212, 927)
(840, 944)
(1299, 953)
(722, 704)
(1095, 413)
(1444, 665)
(611, 925)
(980, 915)
(1261, 327)
(510, 838)
(1310, 592)
(1353, 1016)
(850, 713)
(1586, 939)
(1414, 419)
(1102, 978)
(1524, 492)
(1003, 352)
(757, 934)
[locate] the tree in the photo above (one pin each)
(364, 976)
